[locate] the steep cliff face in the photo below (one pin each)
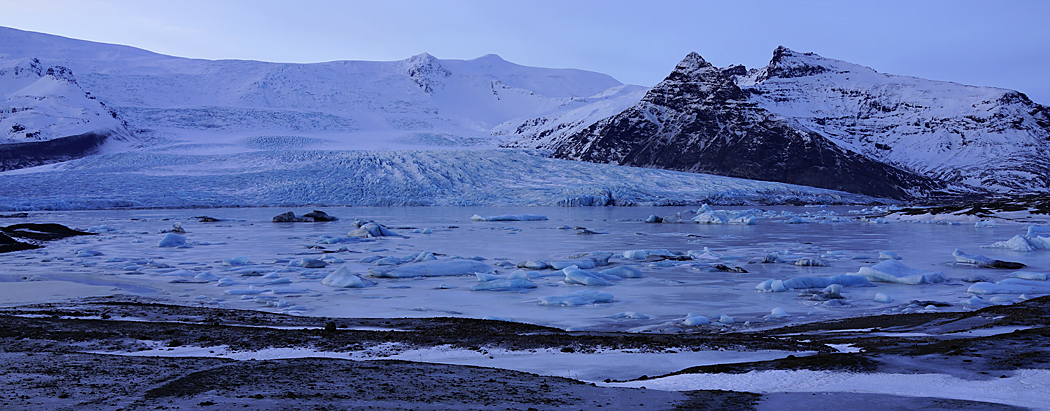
(699, 120)
(810, 120)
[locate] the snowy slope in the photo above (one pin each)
(40, 103)
(981, 136)
(413, 101)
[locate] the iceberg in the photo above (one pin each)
(693, 319)
(1010, 286)
(343, 278)
(574, 275)
(1016, 243)
(623, 271)
(585, 297)
(436, 268)
(372, 230)
(172, 240)
(893, 271)
(746, 217)
(1037, 230)
(983, 262)
(806, 282)
(510, 217)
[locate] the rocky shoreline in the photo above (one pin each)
(77, 355)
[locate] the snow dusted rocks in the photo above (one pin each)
(316, 215)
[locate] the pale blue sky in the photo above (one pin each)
(1001, 43)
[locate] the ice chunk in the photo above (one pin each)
(893, 271)
(654, 219)
(703, 255)
(882, 298)
(983, 262)
(888, 255)
(172, 240)
(372, 230)
(574, 275)
(630, 315)
(436, 268)
(725, 319)
(805, 282)
(832, 291)
(1037, 230)
(693, 319)
(1010, 286)
(778, 313)
(771, 258)
(422, 231)
(534, 265)
(811, 262)
(584, 263)
(250, 291)
(985, 224)
(235, 261)
(84, 252)
(343, 278)
(1016, 243)
(585, 297)
(510, 217)
(745, 217)
(642, 254)
(504, 284)
(1028, 275)
(623, 271)
(313, 263)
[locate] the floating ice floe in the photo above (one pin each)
(693, 319)
(745, 217)
(893, 271)
(983, 262)
(985, 224)
(1037, 230)
(882, 298)
(584, 297)
(706, 254)
(343, 278)
(437, 268)
(510, 217)
(888, 255)
(623, 271)
(411, 258)
(534, 265)
(643, 254)
(806, 282)
(575, 275)
(811, 262)
(341, 240)
(235, 261)
(1011, 286)
(513, 282)
(312, 263)
(630, 315)
(172, 240)
(778, 313)
(372, 230)
(1028, 275)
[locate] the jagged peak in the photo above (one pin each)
(787, 63)
(61, 73)
(692, 62)
(21, 67)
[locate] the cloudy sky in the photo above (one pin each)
(1003, 43)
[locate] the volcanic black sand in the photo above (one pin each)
(56, 356)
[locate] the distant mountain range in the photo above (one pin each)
(803, 119)
(811, 120)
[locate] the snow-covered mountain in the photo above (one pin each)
(812, 120)
(45, 116)
(421, 101)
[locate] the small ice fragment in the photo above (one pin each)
(1016, 243)
(343, 278)
(517, 217)
(882, 298)
(630, 315)
(888, 255)
(172, 240)
(585, 297)
(985, 224)
(811, 262)
(693, 319)
(535, 265)
(771, 258)
(892, 271)
(1028, 275)
(623, 271)
(779, 313)
(313, 263)
(725, 319)
(504, 284)
(236, 261)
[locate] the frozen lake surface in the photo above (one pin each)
(129, 261)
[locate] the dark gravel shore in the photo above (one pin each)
(57, 356)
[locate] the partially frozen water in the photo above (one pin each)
(273, 279)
